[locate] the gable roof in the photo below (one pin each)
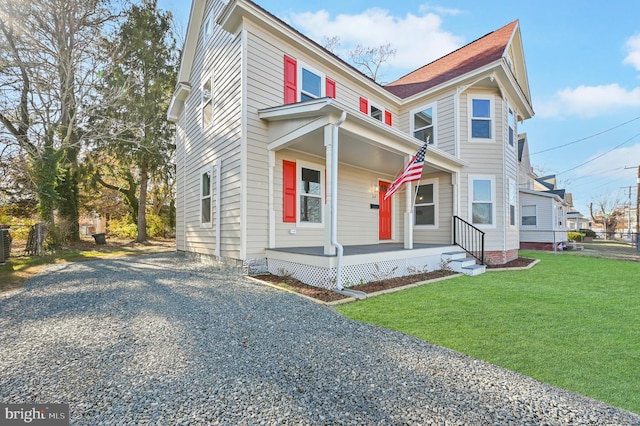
(483, 51)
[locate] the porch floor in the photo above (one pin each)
(359, 249)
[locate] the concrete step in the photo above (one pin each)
(459, 262)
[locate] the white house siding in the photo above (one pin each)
(198, 148)
(492, 155)
(445, 119)
(542, 232)
(511, 172)
(441, 234)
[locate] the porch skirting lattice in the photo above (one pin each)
(354, 273)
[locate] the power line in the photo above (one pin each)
(587, 137)
(601, 155)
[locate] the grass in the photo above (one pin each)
(571, 321)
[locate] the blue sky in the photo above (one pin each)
(583, 62)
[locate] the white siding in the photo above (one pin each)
(198, 147)
(441, 235)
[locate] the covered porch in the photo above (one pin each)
(344, 244)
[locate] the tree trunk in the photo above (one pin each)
(142, 214)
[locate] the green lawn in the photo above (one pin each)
(570, 321)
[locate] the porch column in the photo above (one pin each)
(329, 249)
(272, 213)
(408, 215)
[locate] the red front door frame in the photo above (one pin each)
(384, 213)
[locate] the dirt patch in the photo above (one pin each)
(521, 262)
(325, 295)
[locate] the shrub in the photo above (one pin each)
(588, 233)
(123, 227)
(575, 236)
(156, 226)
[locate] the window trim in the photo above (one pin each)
(512, 196)
(435, 203)
(492, 180)
(434, 126)
(311, 166)
(379, 108)
(491, 119)
(204, 103)
(323, 81)
(535, 215)
(512, 113)
(208, 27)
(201, 197)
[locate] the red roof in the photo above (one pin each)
(474, 55)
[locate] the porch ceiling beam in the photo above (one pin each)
(291, 137)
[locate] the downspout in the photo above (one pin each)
(334, 199)
(334, 213)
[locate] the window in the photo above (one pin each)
(513, 199)
(512, 128)
(481, 118)
(529, 217)
(302, 192)
(206, 180)
(311, 84)
(208, 28)
(482, 202)
(426, 204)
(302, 83)
(375, 111)
(424, 124)
(310, 195)
(207, 102)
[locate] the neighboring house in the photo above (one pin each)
(285, 152)
(543, 207)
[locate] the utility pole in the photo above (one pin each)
(637, 209)
(628, 188)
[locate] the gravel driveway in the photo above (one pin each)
(163, 340)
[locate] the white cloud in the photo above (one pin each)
(441, 10)
(633, 47)
(612, 165)
(590, 101)
(419, 39)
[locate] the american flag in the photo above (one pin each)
(411, 173)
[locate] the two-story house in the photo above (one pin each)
(285, 152)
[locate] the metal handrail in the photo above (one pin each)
(469, 238)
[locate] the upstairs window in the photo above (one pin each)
(481, 118)
(424, 124)
(208, 28)
(512, 128)
(375, 111)
(207, 102)
(302, 83)
(311, 85)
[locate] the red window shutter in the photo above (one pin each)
(290, 80)
(288, 191)
(364, 106)
(387, 118)
(331, 88)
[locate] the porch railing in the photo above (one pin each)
(469, 238)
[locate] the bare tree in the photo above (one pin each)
(607, 213)
(50, 67)
(369, 59)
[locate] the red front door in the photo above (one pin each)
(384, 214)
